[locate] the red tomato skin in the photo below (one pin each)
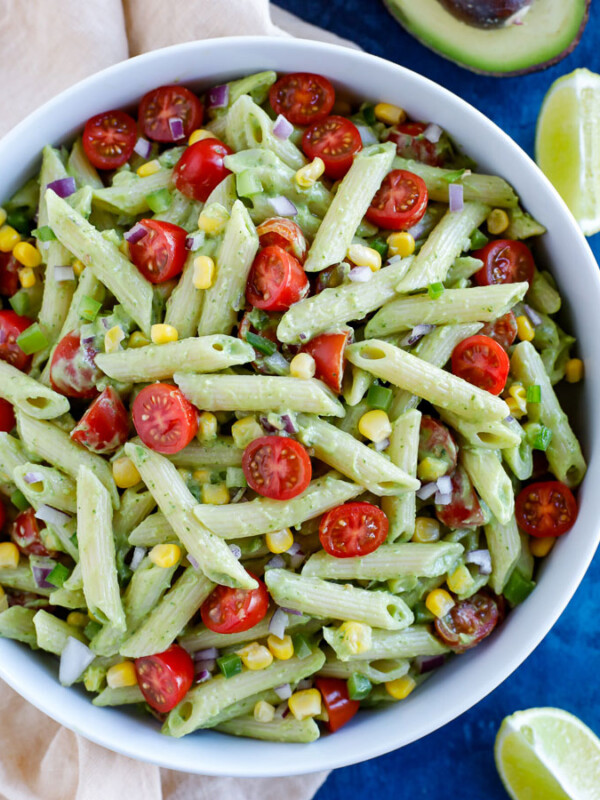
(365, 529)
(286, 234)
(175, 418)
(25, 533)
(302, 97)
(474, 618)
(11, 327)
(504, 261)
(436, 441)
(228, 610)
(201, 168)
(503, 330)
(336, 141)
(109, 139)
(105, 425)
(399, 187)
(159, 105)
(327, 349)
(160, 254)
(464, 509)
(557, 500)
(73, 370)
(340, 709)
(7, 416)
(165, 678)
(480, 360)
(271, 460)
(9, 274)
(276, 280)
(410, 143)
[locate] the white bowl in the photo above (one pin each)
(469, 678)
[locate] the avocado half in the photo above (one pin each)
(548, 32)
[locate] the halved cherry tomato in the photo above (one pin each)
(410, 143)
(340, 709)
(277, 467)
(9, 274)
(328, 353)
(468, 622)
(354, 529)
(167, 103)
(11, 327)
(336, 141)
(302, 97)
(164, 418)
(400, 202)
(463, 510)
(546, 508)
(503, 330)
(201, 168)
(504, 261)
(7, 416)
(109, 139)
(160, 254)
(480, 360)
(436, 442)
(276, 280)
(105, 426)
(165, 678)
(228, 610)
(286, 234)
(73, 370)
(25, 533)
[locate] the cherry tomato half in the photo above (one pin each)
(354, 529)
(340, 709)
(73, 370)
(276, 280)
(480, 360)
(9, 274)
(228, 610)
(504, 261)
(302, 97)
(437, 443)
(165, 678)
(400, 202)
(201, 168)
(7, 416)
(286, 234)
(468, 622)
(547, 508)
(410, 143)
(160, 254)
(463, 510)
(164, 418)
(109, 139)
(328, 353)
(25, 533)
(277, 467)
(336, 141)
(503, 330)
(168, 103)
(105, 426)
(11, 327)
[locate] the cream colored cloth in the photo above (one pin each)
(45, 46)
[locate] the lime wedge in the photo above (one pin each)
(567, 146)
(548, 753)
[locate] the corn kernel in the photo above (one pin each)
(9, 554)
(430, 469)
(216, 494)
(389, 114)
(113, 339)
(255, 656)
(208, 426)
(137, 339)
(460, 580)
(303, 366)
(202, 475)
(77, 619)
(163, 334)
(375, 425)
(27, 254)
(356, 636)
(124, 248)
(514, 408)
(213, 218)
(439, 602)
(497, 221)
(120, 675)
(574, 370)
(3, 216)
(165, 555)
(9, 237)
(309, 174)
(281, 648)
(264, 712)
(245, 430)
(525, 329)
(519, 394)
(204, 272)
(305, 704)
(78, 267)
(125, 473)
(279, 541)
(27, 277)
(541, 547)
(401, 244)
(401, 687)
(199, 134)
(364, 256)
(426, 530)
(149, 168)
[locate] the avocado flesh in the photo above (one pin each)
(549, 31)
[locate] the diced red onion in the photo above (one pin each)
(283, 692)
(428, 663)
(510, 418)
(278, 623)
(176, 127)
(201, 676)
(366, 135)
(194, 242)
(237, 497)
(33, 477)
(193, 562)
(432, 133)
(137, 558)
(136, 233)
(218, 96)
(419, 229)
(289, 424)
(444, 484)
(74, 660)
(64, 187)
(52, 515)
(456, 197)
(63, 274)
(282, 709)
(296, 560)
(442, 499)
(293, 611)
(277, 562)
(267, 426)
(305, 683)
(282, 128)
(282, 206)
(533, 315)
(426, 490)
(394, 259)
(482, 559)
(40, 570)
(208, 654)
(417, 333)
(382, 445)
(236, 550)
(294, 549)
(360, 274)
(303, 337)
(143, 147)
(208, 664)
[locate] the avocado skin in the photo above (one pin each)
(394, 9)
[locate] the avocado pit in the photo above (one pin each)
(488, 13)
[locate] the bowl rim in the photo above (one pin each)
(21, 672)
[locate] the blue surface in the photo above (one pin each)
(457, 761)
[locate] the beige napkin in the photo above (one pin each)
(45, 46)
